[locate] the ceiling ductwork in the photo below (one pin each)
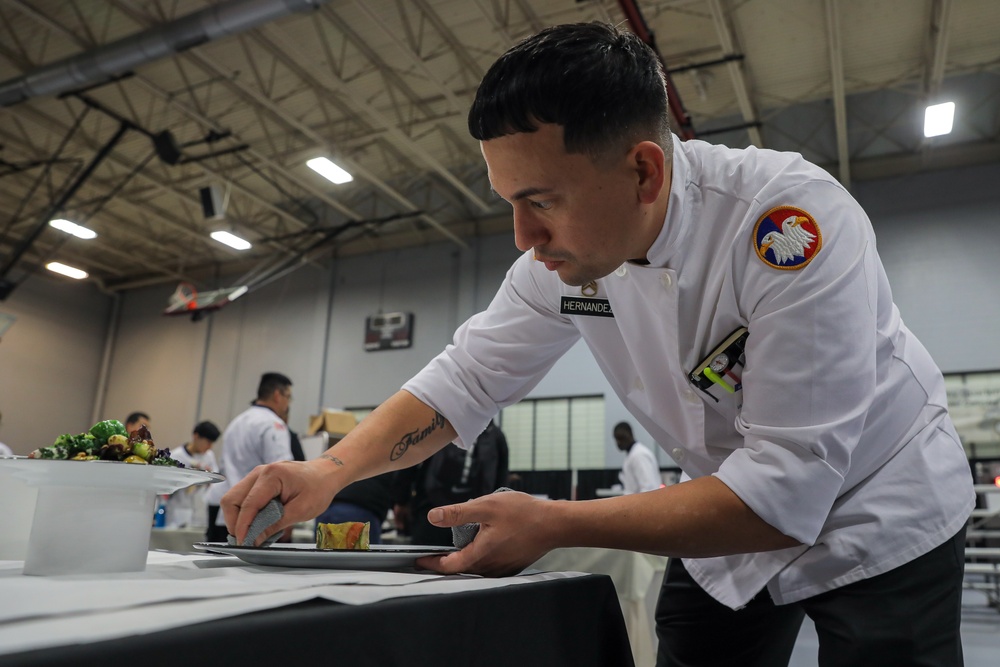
(112, 60)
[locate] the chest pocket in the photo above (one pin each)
(719, 376)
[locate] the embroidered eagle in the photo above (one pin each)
(790, 242)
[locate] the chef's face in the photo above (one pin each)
(582, 218)
(200, 445)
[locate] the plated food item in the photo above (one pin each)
(349, 535)
(108, 441)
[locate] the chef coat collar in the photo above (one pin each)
(669, 241)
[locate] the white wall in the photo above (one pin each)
(938, 234)
(50, 360)
(939, 237)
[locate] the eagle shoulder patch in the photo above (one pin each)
(787, 238)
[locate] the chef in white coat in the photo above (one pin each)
(640, 470)
(736, 303)
(187, 507)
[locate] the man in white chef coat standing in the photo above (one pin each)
(258, 435)
(735, 301)
(640, 471)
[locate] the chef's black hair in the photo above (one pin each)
(207, 430)
(269, 383)
(603, 85)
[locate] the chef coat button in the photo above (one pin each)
(666, 280)
(677, 454)
(621, 271)
(691, 396)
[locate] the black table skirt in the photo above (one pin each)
(565, 622)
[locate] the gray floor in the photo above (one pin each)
(980, 635)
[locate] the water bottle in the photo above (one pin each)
(160, 518)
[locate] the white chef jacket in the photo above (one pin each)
(255, 437)
(640, 471)
(839, 434)
(186, 507)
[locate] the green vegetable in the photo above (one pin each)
(145, 449)
(166, 461)
(53, 452)
(105, 429)
(76, 444)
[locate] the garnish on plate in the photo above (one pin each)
(108, 441)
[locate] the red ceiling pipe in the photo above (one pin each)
(682, 120)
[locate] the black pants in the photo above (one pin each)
(215, 533)
(909, 616)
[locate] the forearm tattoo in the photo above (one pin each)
(413, 437)
(328, 457)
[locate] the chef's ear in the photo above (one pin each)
(650, 167)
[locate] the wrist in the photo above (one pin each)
(557, 518)
(330, 460)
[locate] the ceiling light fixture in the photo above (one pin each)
(76, 230)
(327, 169)
(231, 240)
(938, 119)
(66, 270)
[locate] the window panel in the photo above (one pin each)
(552, 434)
(517, 424)
(588, 432)
(555, 433)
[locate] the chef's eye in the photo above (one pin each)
(543, 205)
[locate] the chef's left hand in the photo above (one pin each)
(512, 535)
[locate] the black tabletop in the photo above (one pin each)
(575, 622)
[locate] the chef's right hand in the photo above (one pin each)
(301, 486)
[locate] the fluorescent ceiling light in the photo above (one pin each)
(231, 240)
(70, 271)
(238, 292)
(327, 169)
(938, 119)
(76, 230)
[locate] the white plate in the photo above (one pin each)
(380, 557)
(104, 474)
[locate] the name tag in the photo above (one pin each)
(578, 305)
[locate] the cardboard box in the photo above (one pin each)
(337, 423)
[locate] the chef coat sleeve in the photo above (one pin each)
(500, 354)
(810, 373)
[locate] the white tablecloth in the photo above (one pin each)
(637, 579)
(178, 540)
(177, 590)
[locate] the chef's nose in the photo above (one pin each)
(529, 231)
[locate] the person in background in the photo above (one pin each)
(257, 436)
(640, 471)
(187, 507)
(135, 420)
(452, 475)
(4, 449)
(736, 302)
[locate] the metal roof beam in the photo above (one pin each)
(297, 125)
(740, 86)
(288, 52)
(839, 99)
(939, 34)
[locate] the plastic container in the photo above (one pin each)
(94, 516)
